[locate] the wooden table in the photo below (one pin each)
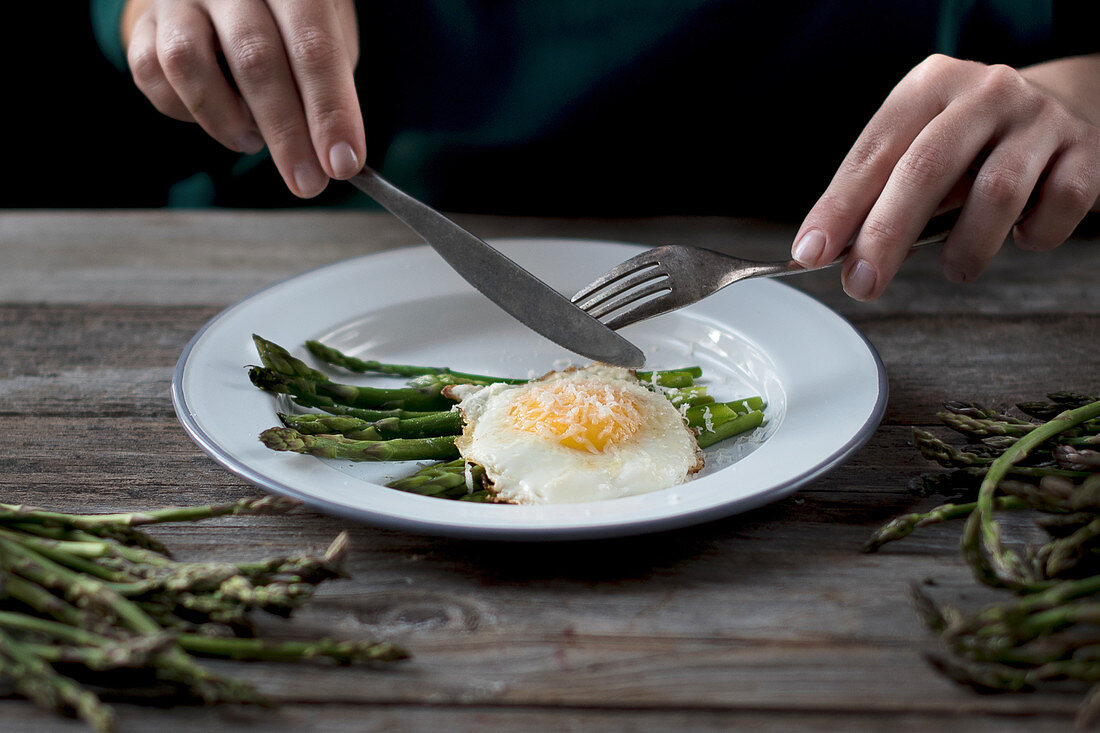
(772, 619)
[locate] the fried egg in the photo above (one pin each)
(577, 435)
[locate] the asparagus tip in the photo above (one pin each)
(283, 439)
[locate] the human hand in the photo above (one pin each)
(290, 79)
(956, 132)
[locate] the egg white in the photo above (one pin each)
(531, 468)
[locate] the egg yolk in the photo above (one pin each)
(584, 416)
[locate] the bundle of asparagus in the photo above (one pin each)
(415, 422)
(84, 599)
(1048, 629)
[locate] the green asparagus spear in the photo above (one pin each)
(433, 424)
(445, 480)
(975, 410)
(716, 412)
(729, 428)
(903, 526)
(279, 359)
(1059, 402)
(337, 446)
(362, 413)
(945, 454)
(990, 560)
(90, 591)
(332, 356)
(426, 396)
(96, 522)
(39, 682)
(691, 396)
(423, 397)
(673, 379)
(682, 377)
(1047, 631)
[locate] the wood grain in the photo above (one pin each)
(772, 619)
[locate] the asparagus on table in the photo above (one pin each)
(40, 683)
(981, 544)
(905, 525)
(95, 592)
(1047, 630)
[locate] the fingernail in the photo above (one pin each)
(344, 161)
(807, 250)
(953, 275)
(250, 143)
(309, 178)
(861, 280)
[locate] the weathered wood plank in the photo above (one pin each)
(220, 257)
(996, 360)
(712, 674)
(334, 718)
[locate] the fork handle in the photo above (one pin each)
(936, 232)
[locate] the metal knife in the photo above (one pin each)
(518, 292)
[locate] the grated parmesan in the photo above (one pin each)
(575, 412)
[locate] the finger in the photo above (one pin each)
(141, 55)
(186, 51)
(1001, 189)
(923, 177)
(836, 217)
(1071, 190)
(349, 24)
(257, 59)
(323, 72)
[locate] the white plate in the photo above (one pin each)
(824, 384)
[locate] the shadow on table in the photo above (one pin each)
(604, 560)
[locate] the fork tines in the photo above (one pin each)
(635, 280)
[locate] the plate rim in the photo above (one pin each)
(225, 458)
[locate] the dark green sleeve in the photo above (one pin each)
(106, 23)
(1017, 32)
(1077, 26)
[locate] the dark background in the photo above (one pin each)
(72, 119)
(80, 135)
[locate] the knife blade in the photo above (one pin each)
(519, 293)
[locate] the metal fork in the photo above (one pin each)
(667, 278)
